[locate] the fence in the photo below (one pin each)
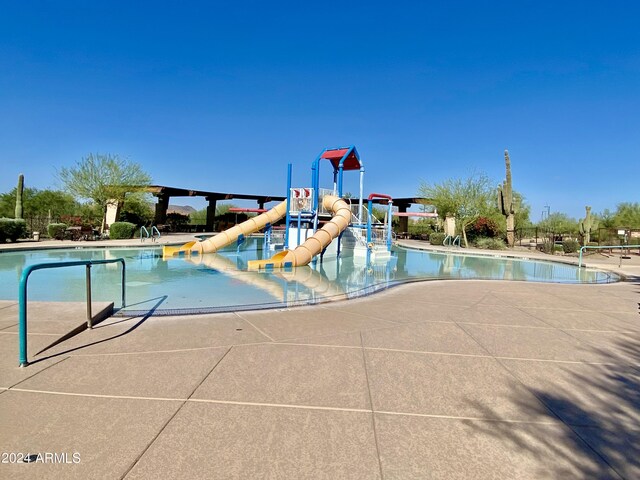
(612, 236)
(526, 236)
(603, 236)
(39, 224)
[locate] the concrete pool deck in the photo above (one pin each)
(440, 379)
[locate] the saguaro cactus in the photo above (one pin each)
(19, 191)
(587, 225)
(507, 204)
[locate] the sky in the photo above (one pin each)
(221, 96)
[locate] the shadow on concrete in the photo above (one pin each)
(599, 407)
(96, 319)
(122, 334)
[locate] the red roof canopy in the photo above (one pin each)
(352, 162)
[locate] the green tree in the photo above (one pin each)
(559, 223)
(465, 199)
(223, 208)
(379, 212)
(103, 178)
(606, 219)
(522, 219)
(38, 203)
(199, 217)
(627, 215)
(137, 209)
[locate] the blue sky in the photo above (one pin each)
(222, 95)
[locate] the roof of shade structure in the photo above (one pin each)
(335, 155)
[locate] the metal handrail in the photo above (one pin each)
(598, 247)
(449, 241)
(22, 295)
(154, 228)
(146, 232)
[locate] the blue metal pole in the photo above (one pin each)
(22, 317)
(369, 223)
(288, 217)
(124, 270)
(315, 184)
(389, 226)
(22, 296)
(341, 168)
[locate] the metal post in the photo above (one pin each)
(123, 282)
(88, 281)
(389, 226)
(369, 219)
(361, 193)
(22, 318)
(22, 296)
(288, 217)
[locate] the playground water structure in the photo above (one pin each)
(327, 250)
(221, 282)
(316, 220)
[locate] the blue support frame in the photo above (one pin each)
(288, 217)
(241, 239)
(266, 242)
(315, 182)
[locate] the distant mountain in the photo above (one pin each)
(181, 209)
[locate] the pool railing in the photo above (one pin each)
(603, 247)
(22, 296)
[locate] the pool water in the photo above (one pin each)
(220, 282)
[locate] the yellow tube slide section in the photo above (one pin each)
(304, 253)
(229, 236)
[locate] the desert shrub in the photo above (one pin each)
(56, 230)
(436, 238)
(176, 219)
(570, 245)
(121, 230)
(483, 227)
(490, 243)
(137, 209)
(70, 220)
(547, 247)
(12, 229)
(133, 217)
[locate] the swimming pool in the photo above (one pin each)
(220, 282)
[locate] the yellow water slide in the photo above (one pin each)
(303, 254)
(229, 236)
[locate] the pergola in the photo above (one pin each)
(403, 204)
(164, 193)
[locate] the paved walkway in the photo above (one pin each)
(441, 379)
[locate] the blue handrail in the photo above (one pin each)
(22, 295)
(155, 230)
(598, 247)
(146, 233)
